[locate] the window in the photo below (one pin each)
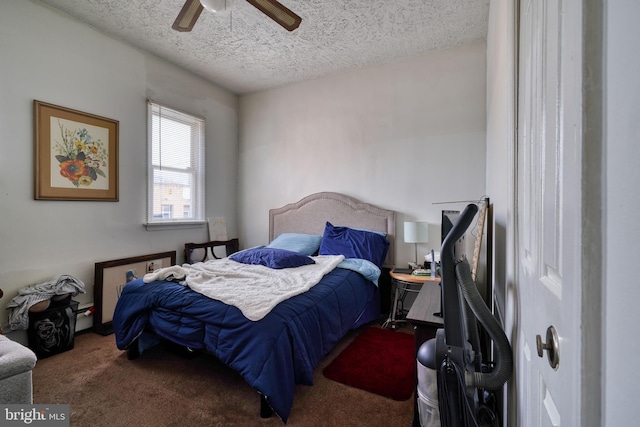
(176, 167)
(167, 211)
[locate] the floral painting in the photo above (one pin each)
(80, 154)
(76, 154)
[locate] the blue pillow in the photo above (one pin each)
(366, 268)
(382, 233)
(306, 244)
(272, 258)
(354, 243)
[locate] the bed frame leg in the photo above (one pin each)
(265, 408)
(134, 351)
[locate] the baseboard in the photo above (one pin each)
(84, 322)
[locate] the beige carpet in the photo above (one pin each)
(104, 388)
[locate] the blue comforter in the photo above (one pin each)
(273, 354)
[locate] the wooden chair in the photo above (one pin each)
(198, 252)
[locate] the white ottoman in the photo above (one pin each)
(16, 363)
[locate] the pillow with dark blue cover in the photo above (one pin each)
(272, 258)
(354, 243)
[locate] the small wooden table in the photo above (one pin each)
(402, 284)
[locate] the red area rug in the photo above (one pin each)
(379, 361)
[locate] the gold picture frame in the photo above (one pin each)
(112, 276)
(75, 154)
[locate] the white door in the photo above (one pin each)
(548, 210)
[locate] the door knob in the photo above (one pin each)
(552, 346)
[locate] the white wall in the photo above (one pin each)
(500, 138)
(403, 136)
(50, 57)
(622, 229)
(500, 157)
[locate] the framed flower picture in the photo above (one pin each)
(76, 154)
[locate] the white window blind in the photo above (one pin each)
(175, 166)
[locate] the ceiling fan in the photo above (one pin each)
(191, 10)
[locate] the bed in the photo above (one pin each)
(280, 348)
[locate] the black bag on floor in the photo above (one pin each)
(52, 331)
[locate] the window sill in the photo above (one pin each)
(154, 226)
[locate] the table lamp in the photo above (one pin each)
(416, 232)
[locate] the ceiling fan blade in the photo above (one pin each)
(279, 13)
(188, 16)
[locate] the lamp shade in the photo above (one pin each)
(416, 232)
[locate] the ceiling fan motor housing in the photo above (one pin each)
(192, 9)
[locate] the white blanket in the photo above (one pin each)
(254, 289)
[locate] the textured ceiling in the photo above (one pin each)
(244, 51)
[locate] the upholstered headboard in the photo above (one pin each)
(310, 215)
